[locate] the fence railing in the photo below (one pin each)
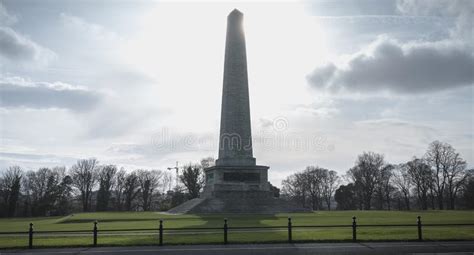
(225, 229)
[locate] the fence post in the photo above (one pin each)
(354, 229)
(420, 234)
(225, 231)
(95, 233)
(290, 237)
(30, 237)
(161, 233)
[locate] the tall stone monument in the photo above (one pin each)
(236, 183)
(235, 170)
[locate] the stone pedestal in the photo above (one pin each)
(222, 180)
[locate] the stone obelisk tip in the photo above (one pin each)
(235, 12)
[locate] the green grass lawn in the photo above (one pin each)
(137, 220)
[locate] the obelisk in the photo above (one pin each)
(236, 184)
(235, 141)
(235, 173)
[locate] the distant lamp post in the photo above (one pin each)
(177, 174)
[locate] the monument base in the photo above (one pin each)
(237, 189)
(223, 179)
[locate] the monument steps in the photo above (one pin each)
(237, 205)
(186, 206)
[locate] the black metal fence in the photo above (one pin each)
(225, 229)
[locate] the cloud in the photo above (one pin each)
(18, 92)
(93, 31)
(389, 122)
(32, 161)
(398, 139)
(5, 17)
(461, 10)
(351, 8)
(410, 67)
(401, 68)
(17, 48)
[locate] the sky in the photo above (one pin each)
(138, 83)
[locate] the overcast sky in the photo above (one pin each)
(139, 83)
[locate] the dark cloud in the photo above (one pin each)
(18, 48)
(14, 46)
(15, 92)
(399, 68)
(412, 67)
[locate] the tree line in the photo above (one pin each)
(88, 186)
(438, 180)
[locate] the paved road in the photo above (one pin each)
(273, 249)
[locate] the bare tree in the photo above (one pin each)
(294, 187)
(468, 190)
(313, 176)
(402, 180)
(435, 156)
(166, 182)
(384, 187)
(131, 190)
(365, 175)
(120, 179)
(448, 169)
(149, 181)
(330, 184)
(84, 177)
(35, 183)
(315, 184)
(456, 177)
(40, 184)
(10, 185)
(106, 181)
(64, 194)
(47, 191)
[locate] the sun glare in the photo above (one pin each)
(185, 52)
